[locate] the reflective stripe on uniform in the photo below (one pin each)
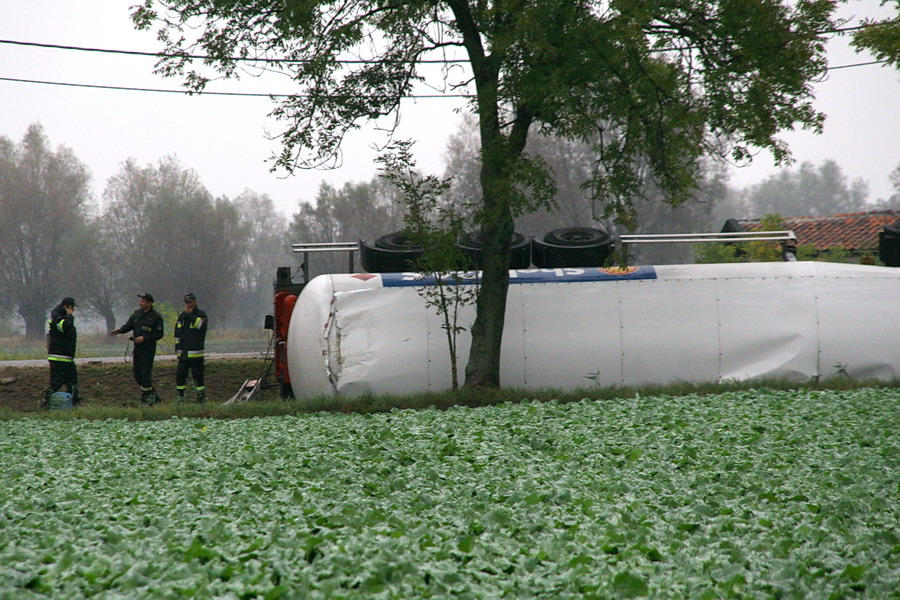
(197, 323)
(195, 353)
(60, 325)
(60, 358)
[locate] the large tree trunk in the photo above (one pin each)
(483, 368)
(498, 155)
(35, 320)
(110, 319)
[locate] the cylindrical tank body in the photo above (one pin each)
(577, 327)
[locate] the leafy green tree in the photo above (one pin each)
(881, 38)
(831, 254)
(894, 178)
(267, 247)
(173, 236)
(435, 226)
(756, 251)
(893, 201)
(660, 76)
(352, 212)
(43, 195)
(570, 161)
(807, 191)
(92, 271)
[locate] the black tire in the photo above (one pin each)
(397, 241)
(578, 237)
(519, 250)
(572, 247)
(473, 240)
(382, 260)
(889, 245)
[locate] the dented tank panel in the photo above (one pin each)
(579, 327)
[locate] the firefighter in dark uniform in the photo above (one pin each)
(190, 338)
(62, 338)
(146, 326)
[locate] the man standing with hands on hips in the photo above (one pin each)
(190, 338)
(147, 327)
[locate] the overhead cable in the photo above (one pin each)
(258, 95)
(293, 60)
(190, 93)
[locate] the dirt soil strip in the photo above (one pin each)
(111, 383)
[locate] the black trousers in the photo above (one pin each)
(196, 368)
(142, 365)
(63, 374)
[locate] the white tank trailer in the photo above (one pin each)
(569, 328)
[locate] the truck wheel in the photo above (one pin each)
(889, 245)
(572, 247)
(579, 237)
(391, 253)
(471, 244)
(397, 241)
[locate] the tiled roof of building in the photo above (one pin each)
(853, 231)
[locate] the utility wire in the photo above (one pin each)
(290, 60)
(256, 95)
(244, 94)
(285, 60)
(205, 57)
(865, 64)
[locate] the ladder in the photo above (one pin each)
(247, 391)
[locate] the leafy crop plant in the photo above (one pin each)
(757, 494)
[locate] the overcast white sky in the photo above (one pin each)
(224, 140)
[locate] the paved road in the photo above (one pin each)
(42, 362)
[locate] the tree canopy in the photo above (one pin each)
(648, 82)
(881, 38)
(43, 196)
(174, 237)
(807, 191)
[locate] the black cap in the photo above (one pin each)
(146, 296)
(68, 301)
(190, 297)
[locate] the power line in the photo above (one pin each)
(864, 64)
(206, 57)
(284, 60)
(258, 95)
(301, 61)
(244, 94)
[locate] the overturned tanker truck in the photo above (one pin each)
(572, 322)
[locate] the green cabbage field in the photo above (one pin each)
(758, 494)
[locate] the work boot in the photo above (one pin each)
(147, 397)
(179, 394)
(201, 397)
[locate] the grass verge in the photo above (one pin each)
(225, 378)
